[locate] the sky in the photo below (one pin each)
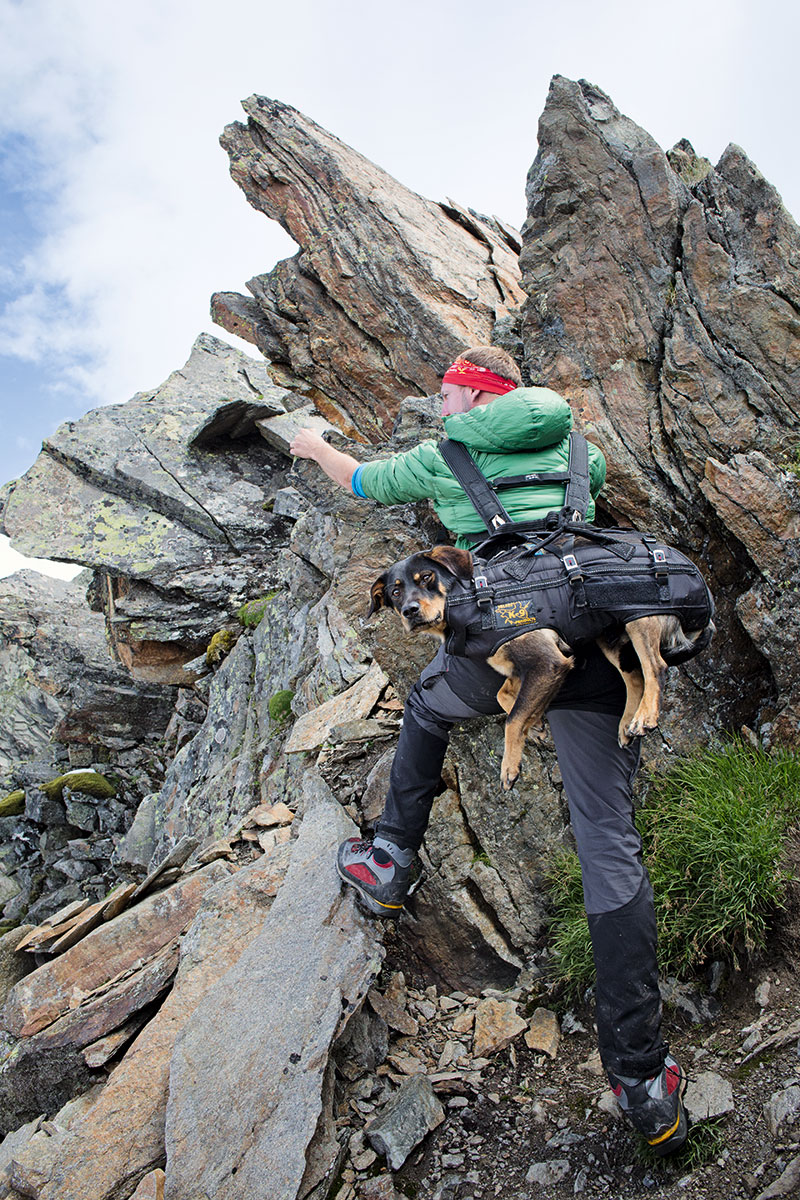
(118, 218)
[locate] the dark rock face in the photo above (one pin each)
(664, 302)
(67, 704)
(387, 286)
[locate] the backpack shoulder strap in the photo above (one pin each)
(576, 500)
(482, 493)
(479, 491)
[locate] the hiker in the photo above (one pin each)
(512, 430)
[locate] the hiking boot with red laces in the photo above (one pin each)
(383, 874)
(654, 1106)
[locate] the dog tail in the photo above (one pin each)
(679, 647)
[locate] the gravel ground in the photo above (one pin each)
(520, 1124)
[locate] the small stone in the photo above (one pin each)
(391, 1005)
(151, 1187)
(543, 1032)
(548, 1174)
(446, 1004)
(426, 1009)
(451, 1053)
(380, 1187)
(762, 994)
(607, 1103)
(497, 1023)
(783, 1108)
(463, 1023)
(412, 1112)
(452, 1160)
(708, 1096)
(592, 1064)
(364, 1160)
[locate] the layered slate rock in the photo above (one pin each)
(101, 1153)
(162, 498)
(87, 992)
(664, 303)
(387, 286)
(271, 1022)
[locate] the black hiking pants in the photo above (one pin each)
(598, 775)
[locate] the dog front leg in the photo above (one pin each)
(540, 661)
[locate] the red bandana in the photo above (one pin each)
(466, 374)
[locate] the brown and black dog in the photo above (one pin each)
(536, 662)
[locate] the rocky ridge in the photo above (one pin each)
(248, 713)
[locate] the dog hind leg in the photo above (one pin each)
(632, 678)
(645, 635)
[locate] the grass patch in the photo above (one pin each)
(714, 829)
(705, 1142)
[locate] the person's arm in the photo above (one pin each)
(337, 466)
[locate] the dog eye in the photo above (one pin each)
(427, 577)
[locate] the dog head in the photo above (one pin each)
(417, 587)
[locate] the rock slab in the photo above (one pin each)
(100, 1155)
(270, 1023)
(709, 1095)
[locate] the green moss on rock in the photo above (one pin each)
(88, 783)
(251, 613)
(220, 646)
(13, 804)
(280, 706)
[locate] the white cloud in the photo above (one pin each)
(112, 113)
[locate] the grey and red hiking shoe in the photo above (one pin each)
(654, 1106)
(383, 875)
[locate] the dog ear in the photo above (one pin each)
(377, 595)
(457, 562)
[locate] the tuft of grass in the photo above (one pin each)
(704, 1143)
(713, 830)
(570, 947)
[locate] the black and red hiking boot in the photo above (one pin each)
(654, 1106)
(383, 875)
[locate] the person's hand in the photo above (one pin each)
(307, 444)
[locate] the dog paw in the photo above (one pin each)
(508, 775)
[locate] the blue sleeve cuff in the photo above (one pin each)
(355, 483)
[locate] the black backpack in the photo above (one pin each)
(560, 572)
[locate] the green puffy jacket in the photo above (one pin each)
(523, 431)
